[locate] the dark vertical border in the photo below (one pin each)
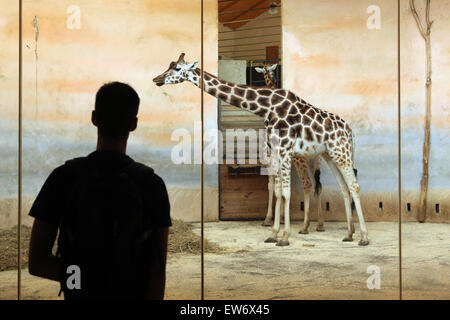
(399, 156)
(202, 174)
(19, 200)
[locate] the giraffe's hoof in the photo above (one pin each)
(363, 242)
(270, 240)
(303, 231)
(282, 243)
(347, 239)
(267, 223)
(320, 229)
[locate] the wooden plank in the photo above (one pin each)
(249, 124)
(233, 118)
(243, 185)
(242, 196)
(238, 118)
(241, 14)
(272, 52)
(235, 199)
(241, 141)
(234, 112)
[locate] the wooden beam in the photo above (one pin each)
(242, 12)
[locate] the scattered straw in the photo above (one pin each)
(183, 240)
(8, 248)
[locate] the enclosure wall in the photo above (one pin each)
(335, 61)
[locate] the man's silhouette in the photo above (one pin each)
(112, 213)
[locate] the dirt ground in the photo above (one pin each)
(315, 266)
(320, 266)
(9, 245)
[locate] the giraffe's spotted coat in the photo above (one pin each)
(303, 130)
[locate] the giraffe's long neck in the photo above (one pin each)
(241, 96)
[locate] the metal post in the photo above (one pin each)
(202, 177)
(19, 198)
(251, 66)
(399, 155)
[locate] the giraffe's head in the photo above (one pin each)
(268, 71)
(177, 72)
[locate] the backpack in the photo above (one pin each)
(102, 232)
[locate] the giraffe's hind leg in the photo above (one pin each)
(302, 170)
(271, 184)
(346, 194)
(350, 179)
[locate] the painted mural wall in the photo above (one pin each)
(9, 87)
(413, 76)
(336, 60)
(70, 50)
(333, 59)
(413, 68)
(342, 57)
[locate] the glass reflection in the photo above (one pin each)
(72, 49)
(331, 60)
(9, 92)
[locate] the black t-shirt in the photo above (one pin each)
(52, 198)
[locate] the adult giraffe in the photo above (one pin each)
(301, 130)
(301, 164)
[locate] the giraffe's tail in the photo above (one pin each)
(353, 153)
(317, 184)
(353, 203)
(355, 171)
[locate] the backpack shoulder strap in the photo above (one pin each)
(138, 171)
(141, 174)
(76, 161)
(77, 165)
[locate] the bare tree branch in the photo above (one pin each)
(416, 17)
(429, 23)
(426, 34)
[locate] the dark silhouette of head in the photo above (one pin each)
(116, 108)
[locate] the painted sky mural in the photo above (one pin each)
(330, 58)
(70, 51)
(335, 61)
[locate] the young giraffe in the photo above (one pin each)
(301, 165)
(301, 130)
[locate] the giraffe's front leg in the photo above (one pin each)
(306, 196)
(287, 227)
(269, 215)
(346, 194)
(302, 171)
(319, 227)
(286, 194)
(270, 186)
(276, 223)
